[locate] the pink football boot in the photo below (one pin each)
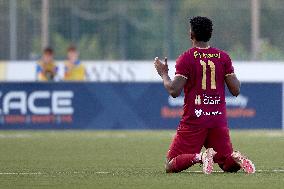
(244, 162)
(207, 160)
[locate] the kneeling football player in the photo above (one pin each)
(202, 72)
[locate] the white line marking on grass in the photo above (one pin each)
(23, 173)
(106, 172)
(109, 135)
(15, 136)
(102, 172)
(84, 172)
(59, 172)
(257, 171)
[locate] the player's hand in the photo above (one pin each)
(162, 68)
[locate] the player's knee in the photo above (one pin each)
(168, 167)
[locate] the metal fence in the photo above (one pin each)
(138, 29)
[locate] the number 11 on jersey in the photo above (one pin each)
(213, 74)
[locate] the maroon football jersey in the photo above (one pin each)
(205, 71)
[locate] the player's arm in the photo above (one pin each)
(233, 84)
(231, 79)
(175, 86)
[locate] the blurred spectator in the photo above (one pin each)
(74, 70)
(46, 67)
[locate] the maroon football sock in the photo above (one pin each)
(183, 162)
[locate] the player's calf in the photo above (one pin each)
(181, 162)
(184, 161)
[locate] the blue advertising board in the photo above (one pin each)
(125, 106)
(259, 106)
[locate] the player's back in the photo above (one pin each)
(205, 70)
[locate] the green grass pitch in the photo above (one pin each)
(126, 159)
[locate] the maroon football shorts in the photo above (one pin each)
(192, 140)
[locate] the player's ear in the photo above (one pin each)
(191, 34)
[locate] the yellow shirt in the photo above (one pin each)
(46, 71)
(74, 72)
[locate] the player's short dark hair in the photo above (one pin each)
(48, 50)
(71, 48)
(202, 28)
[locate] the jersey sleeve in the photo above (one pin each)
(229, 69)
(182, 66)
(38, 68)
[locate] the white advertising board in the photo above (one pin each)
(142, 71)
